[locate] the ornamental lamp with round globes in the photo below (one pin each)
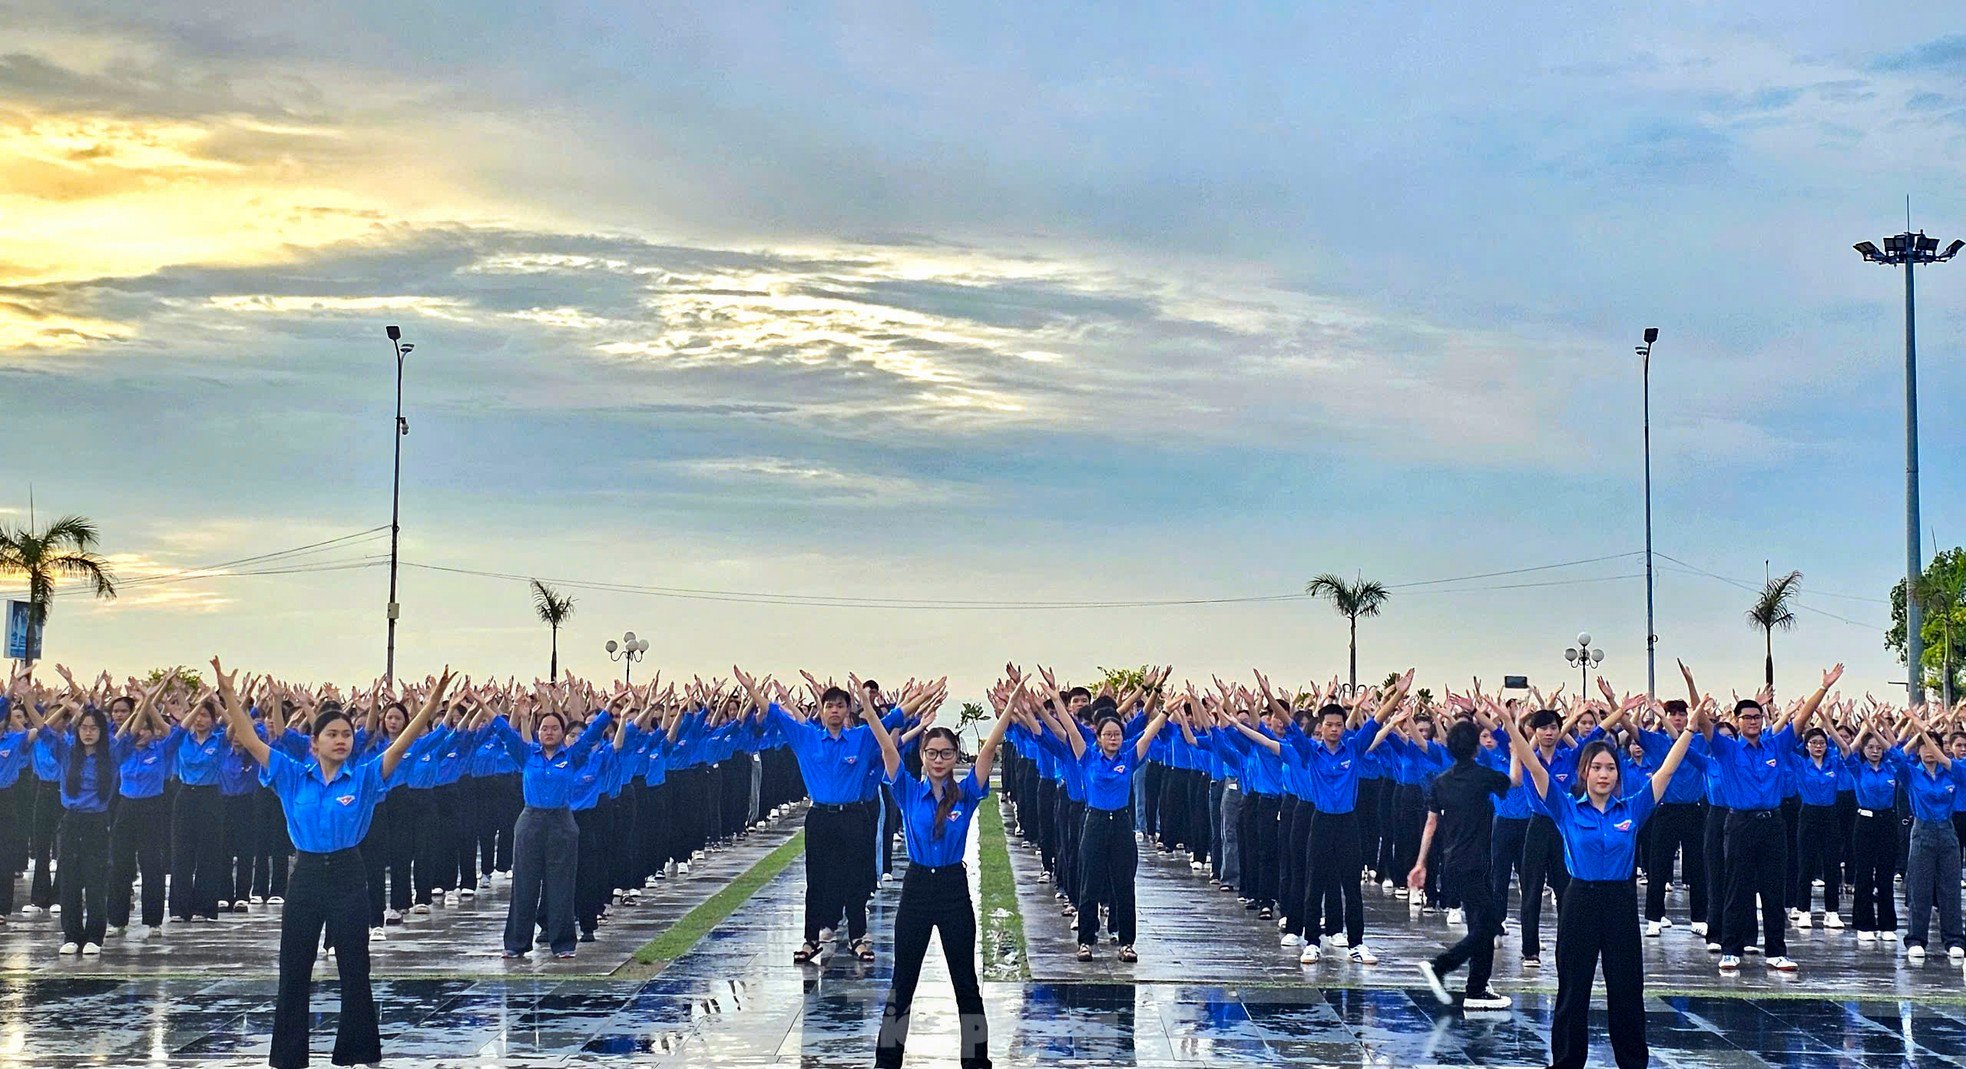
(1583, 638)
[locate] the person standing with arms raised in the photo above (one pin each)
(328, 800)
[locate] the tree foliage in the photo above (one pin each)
(1943, 598)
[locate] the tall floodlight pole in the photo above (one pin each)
(1908, 250)
(402, 430)
(1651, 631)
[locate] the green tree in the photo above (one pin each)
(187, 679)
(971, 713)
(1943, 602)
(554, 608)
(65, 549)
(1360, 597)
(1773, 610)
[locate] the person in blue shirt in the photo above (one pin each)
(546, 842)
(936, 812)
(1817, 775)
(1599, 916)
(16, 799)
(329, 800)
(141, 827)
(1542, 853)
(1678, 827)
(1933, 784)
(1108, 856)
(1874, 770)
(197, 818)
(85, 755)
(1751, 769)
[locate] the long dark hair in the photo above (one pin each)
(105, 767)
(951, 794)
(1585, 757)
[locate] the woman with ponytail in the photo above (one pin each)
(936, 811)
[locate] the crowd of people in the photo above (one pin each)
(357, 809)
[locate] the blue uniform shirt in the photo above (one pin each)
(1816, 783)
(1334, 773)
(835, 766)
(323, 817)
(1876, 786)
(917, 802)
(1751, 773)
(84, 794)
(195, 763)
(1109, 780)
(1515, 804)
(1688, 783)
(1933, 791)
(1599, 845)
(14, 753)
(141, 768)
(547, 781)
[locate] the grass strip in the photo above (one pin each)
(698, 922)
(1004, 954)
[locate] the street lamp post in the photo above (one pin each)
(402, 431)
(1908, 250)
(1584, 657)
(629, 650)
(1651, 631)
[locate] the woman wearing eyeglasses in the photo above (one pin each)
(936, 811)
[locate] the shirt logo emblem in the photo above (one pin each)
(346, 799)
(1771, 762)
(851, 760)
(1119, 768)
(1623, 825)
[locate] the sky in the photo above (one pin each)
(1025, 313)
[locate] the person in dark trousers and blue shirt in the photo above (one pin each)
(546, 842)
(1461, 818)
(1933, 784)
(1874, 770)
(1751, 770)
(1599, 914)
(141, 827)
(936, 811)
(1678, 827)
(197, 817)
(1108, 856)
(85, 755)
(329, 800)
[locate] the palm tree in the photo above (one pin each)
(554, 608)
(1360, 597)
(63, 549)
(1772, 609)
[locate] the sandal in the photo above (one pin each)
(1127, 954)
(1085, 952)
(863, 948)
(805, 953)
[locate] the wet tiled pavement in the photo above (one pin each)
(737, 1000)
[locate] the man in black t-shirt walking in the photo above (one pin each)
(1461, 817)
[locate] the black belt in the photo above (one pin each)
(1108, 814)
(1605, 885)
(844, 807)
(1755, 814)
(936, 870)
(345, 854)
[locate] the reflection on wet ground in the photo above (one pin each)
(1212, 986)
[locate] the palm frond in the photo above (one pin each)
(1357, 597)
(552, 606)
(1773, 609)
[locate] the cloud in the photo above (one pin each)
(1943, 54)
(809, 482)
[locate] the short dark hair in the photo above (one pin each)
(835, 694)
(1103, 707)
(1745, 704)
(1078, 692)
(1543, 718)
(1463, 739)
(1330, 709)
(1675, 705)
(868, 684)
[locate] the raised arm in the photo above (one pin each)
(1525, 753)
(241, 722)
(986, 754)
(1800, 721)
(1662, 779)
(394, 754)
(890, 753)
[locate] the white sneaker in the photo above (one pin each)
(32, 910)
(391, 916)
(1890, 936)
(1832, 920)
(1310, 955)
(1456, 917)
(1292, 939)
(378, 935)
(1653, 929)
(1751, 948)
(223, 905)
(1730, 963)
(1340, 940)
(1698, 927)
(1363, 955)
(1782, 963)
(1665, 922)
(421, 909)
(1713, 948)
(55, 909)
(1803, 919)
(1957, 954)
(69, 948)
(1433, 981)
(114, 930)
(1866, 938)
(1912, 954)
(257, 900)
(467, 893)
(275, 900)
(682, 868)
(89, 949)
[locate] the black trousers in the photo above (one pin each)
(503, 800)
(1873, 861)
(1150, 787)
(1294, 833)
(45, 797)
(544, 855)
(839, 842)
(16, 813)
(136, 845)
(1817, 856)
(1599, 921)
(1542, 861)
(1509, 833)
(1678, 830)
(1069, 816)
(657, 836)
(1409, 820)
(272, 849)
(1716, 869)
(1108, 860)
(590, 890)
(236, 866)
(1045, 830)
(1474, 889)
(1261, 860)
(1333, 865)
(1757, 867)
(1368, 824)
(934, 900)
(84, 846)
(325, 891)
(197, 852)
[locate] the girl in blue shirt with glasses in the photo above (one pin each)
(936, 811)
(329, 800)
(88, 781)
(1599, 915)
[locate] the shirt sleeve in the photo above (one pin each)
(280, 772)
(976, 790)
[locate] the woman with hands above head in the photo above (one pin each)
(1599, 914)
(1933, 782)
(936, 811)
(329, 799)
(1108, 856)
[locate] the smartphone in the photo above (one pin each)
(1515, 682)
